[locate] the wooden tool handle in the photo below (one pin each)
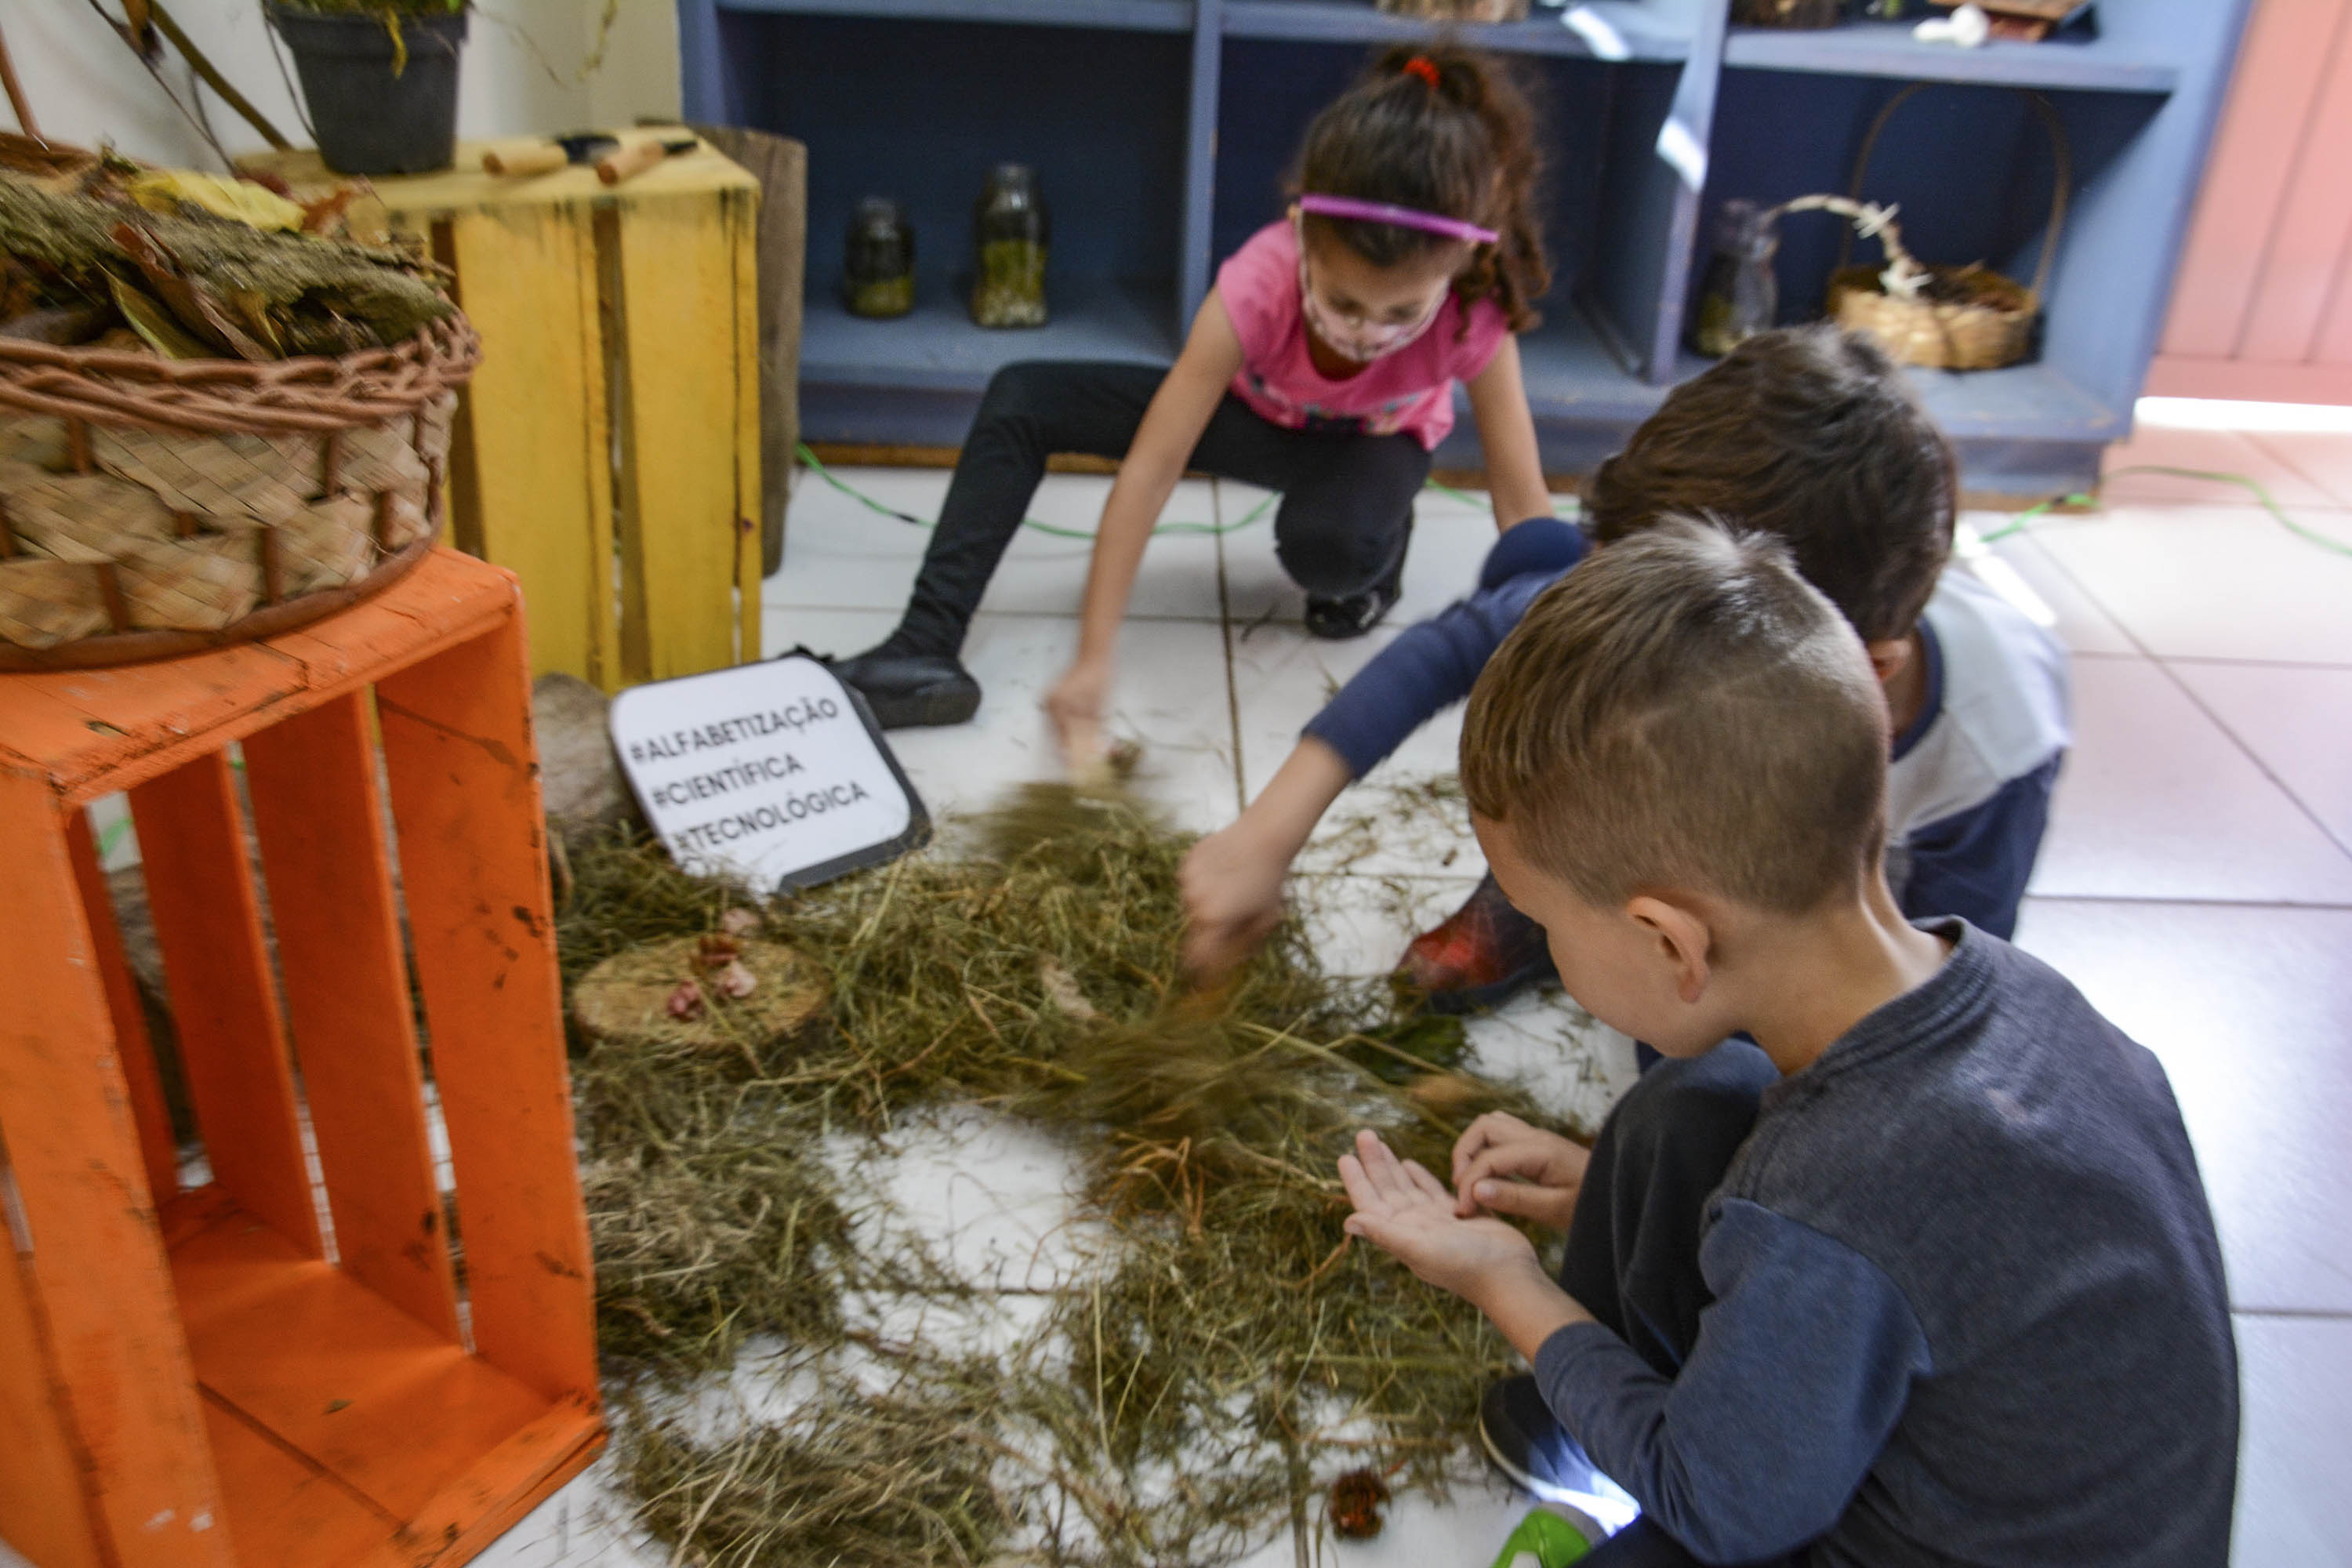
(615, 167)
(545, 159)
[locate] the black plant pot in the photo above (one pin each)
(368, 120)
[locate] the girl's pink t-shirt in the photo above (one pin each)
(1409, 391)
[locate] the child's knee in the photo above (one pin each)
(1711, 1099)
(1330, 553)
(1020, 391)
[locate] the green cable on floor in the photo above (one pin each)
(816, 465)
(2016, 525)
(2270, 504)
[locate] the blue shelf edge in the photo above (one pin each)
(2027, 430)
(1120, 16)
(1309, 21)
(935, 348)
(1887, 49)
(1543, 33)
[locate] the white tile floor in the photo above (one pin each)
(2197, 881)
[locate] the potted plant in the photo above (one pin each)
(381, 79)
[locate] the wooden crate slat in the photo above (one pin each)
(132, 1047)
(741, 220)
(465, 791)
(535, 494)
(510, 1479)
(680, 539)
(216, 967)
(319, 814)
(286, 1512)
(99, 1290)
(44, 1512)
(392, 1409)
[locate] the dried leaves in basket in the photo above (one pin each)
(229, 289)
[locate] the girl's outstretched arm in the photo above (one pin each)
(1506, 431)
(1172, 427)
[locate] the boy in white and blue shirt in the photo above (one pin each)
(1809, 435)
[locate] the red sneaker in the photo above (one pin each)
(1485, 954)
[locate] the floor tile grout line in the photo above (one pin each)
(2260, 762)
(2295, 1314)
(2235, 663)
(2226, 662)
(2287, 461)
(2320, 906)
(2173, 676)
(1203, 620)
(1225, 646)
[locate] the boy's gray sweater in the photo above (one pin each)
(1969, 1306)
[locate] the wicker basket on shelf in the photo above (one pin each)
(153, 507)
(1944, 318)
(1458, 10)
(1788, 13)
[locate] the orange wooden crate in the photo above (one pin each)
(265, 1370)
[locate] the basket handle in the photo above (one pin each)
(2062, 156)
(1903, 276)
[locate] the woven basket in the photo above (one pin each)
(151, 507)
(1993, 329)
(1458, 10)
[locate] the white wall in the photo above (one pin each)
(523, 72)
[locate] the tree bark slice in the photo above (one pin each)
(624, 1001)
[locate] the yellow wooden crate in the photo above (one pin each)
(608, 449)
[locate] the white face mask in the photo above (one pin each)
(1351, 338)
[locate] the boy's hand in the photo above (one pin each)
(1075, 706)
(1405, 1211)
(1502, 1164)
(1231, 885)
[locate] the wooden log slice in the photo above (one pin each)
(624, 1001)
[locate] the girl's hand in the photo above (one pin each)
(1075, 707)
(1502, 1165)
(1232, 884)
(1405, 1211)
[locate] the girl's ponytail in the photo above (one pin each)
(1445, 130)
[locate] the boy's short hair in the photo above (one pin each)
(1811, 435)
(1683, 712)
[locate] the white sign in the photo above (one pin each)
(767, 772)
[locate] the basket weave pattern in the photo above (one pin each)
(143, 496)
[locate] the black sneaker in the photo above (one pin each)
(1541, 1460)
(905, 690)
(1338, 620)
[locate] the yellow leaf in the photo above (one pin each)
(162, 191)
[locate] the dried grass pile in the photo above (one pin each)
(1174, 1408)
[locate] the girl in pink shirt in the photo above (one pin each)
(1322, 365)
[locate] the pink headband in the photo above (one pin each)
(1401, 217)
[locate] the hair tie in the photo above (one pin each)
(1424, 67)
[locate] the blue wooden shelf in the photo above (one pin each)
(936, 348)
(1888, 49)
(1122, 16)
(1161, 128)
(1570, 374)
(1647, 34)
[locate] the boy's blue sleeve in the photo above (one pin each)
(1975, 863)
(1803, 1364)
(1435, 663)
